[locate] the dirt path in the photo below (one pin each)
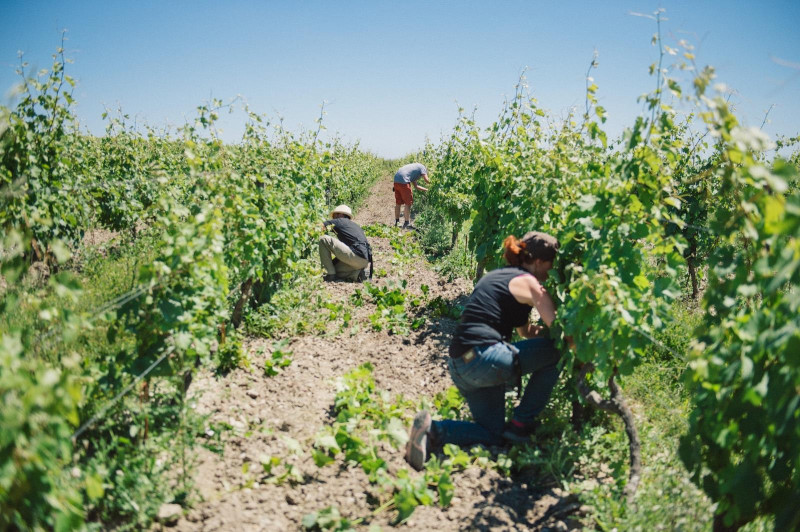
(271, 416)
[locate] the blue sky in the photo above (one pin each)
(394, 73)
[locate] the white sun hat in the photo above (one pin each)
(343, 209)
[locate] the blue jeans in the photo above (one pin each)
(482, 381)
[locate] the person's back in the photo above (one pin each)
(351, 234)
(410, 173)
(350, 246)
(406, 177)
(491, 314)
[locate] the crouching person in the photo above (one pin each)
(482, 362)
(349, 247)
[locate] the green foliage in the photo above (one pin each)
(293, 308)
(186, 288)
(115, 442)
(437, 234)
(39, 414)
(459, 262)
(603, 206)
(666, 498)
(405, 246)
(279, 359)
(132, 474)
(380, 231)
(633, 216)
(390, 308)
(128, 172)
(744, 368)
(41, 195)
(215, 217)
(230, 354)
(632, 219)
(274, 470)
(327, 519)
(438, 307)
(364, 417)
(449, 404)
(214, 435)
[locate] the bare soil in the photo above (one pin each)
(269, 414)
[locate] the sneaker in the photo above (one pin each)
(330, 278)
(409, 227)
(397, 222)
(518, 432)
(362, 276)
(417, 446)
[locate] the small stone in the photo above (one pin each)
(291, 500)
(253, 394)
(169, 513)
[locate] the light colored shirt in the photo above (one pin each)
(410, 173)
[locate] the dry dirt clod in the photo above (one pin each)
(169, 514)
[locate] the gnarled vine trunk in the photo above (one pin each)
(617, 405)
(236, 316)
(691, 264)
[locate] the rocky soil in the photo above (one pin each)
(280, 416)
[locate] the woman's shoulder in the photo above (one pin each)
(508, 271)
(500, 277)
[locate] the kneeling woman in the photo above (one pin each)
(482, 362)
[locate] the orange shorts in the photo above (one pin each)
(402, 194)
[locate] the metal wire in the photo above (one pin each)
(83, 428)
(108, 305)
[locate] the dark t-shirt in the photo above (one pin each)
(491, 313)
(350, 234)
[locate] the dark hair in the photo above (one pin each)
(534, 245)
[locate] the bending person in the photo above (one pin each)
(482, 361)
(405, 177)
(349, 246)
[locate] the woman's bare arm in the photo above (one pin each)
(531, 330)
(527, 290)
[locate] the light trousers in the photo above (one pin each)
(349, 264)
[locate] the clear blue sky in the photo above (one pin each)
(395, 72)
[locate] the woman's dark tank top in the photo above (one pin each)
(491, 313)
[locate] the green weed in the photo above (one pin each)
(279, 359)
(294, 308)
(230, 354)
(406, 249)
(328, 519)
(390, 313)
(378, 230)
